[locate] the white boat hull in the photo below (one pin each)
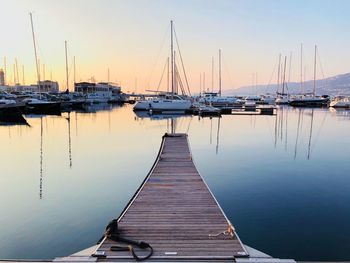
(163, 105)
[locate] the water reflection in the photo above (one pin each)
(41, 160)
(69, 142)
(302, 128)
(267, 173)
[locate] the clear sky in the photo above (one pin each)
(131, 37)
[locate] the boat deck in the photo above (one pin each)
(175, 212)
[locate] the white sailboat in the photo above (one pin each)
(313, 100)
(214, 98)
(170, 101)
(41, 105)
(283, 98)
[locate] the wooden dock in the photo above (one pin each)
(175, 212)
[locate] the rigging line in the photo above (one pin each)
(290, 65)
(273, 73)
(158, 55)
(70, 68)
(160, 81)
(178, 78)
(321, 67)
(182, 63)
(320, 63)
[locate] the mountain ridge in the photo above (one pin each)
(335, 85)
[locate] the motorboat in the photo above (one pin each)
(214, 99)
(340, 102)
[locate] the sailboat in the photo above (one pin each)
(282, 98)
(40, 106)
(313, 100)
(214, 98)
(167, 101)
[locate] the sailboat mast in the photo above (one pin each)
(290, 65)
(212, 74)
(175, 76)
(74, 70)
(17, 78)
(172, 56)
(204, 81)
(35, 52)
(167, 83)
(284, 74)
(220, 72)
(279, 71)
(314, 91)
(301, 67)
(5, 66)
(67, 81)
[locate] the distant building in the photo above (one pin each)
(2, 78)
(89, 87)
(47, 86)
(84, 87)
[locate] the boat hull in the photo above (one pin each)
(310, 103)
(166, 105)
(12, 113)
(51, 108)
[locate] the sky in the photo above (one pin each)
(132, 39)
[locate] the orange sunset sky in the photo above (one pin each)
(132, 38)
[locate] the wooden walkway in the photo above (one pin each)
(175, 212)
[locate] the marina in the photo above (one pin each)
(174, 131)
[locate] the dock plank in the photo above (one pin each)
(176, 213)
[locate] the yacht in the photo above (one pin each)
(340, 102)
(165, 102)
(214, 99)
(311, 100)
(168, 101)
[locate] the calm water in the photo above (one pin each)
(283, 181)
